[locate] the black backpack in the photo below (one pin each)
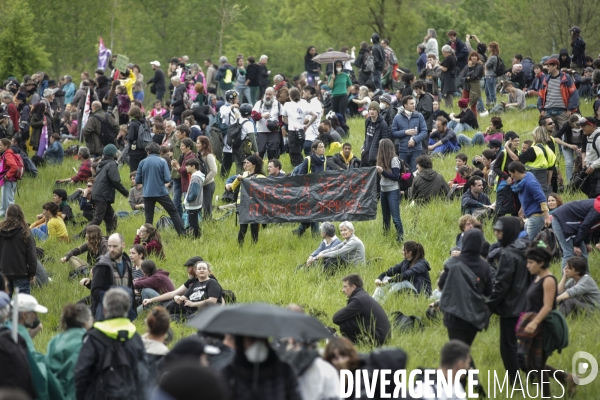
(203, 165)
(405, 323)
(116, 375)
(144, 136)
(500, 67)
(549, 238)
(107, 133)
(406, 178)
(234, 134)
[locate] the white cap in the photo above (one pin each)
(28, 303)
(155, 63)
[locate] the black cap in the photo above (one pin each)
(494, 144)
(193, 261)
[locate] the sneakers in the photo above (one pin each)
(484, 113)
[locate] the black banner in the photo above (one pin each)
(328, 196)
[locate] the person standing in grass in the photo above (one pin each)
(253, 166)
(389, 167)
(194, 198)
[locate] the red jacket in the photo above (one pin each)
(14, 115)
(160, 282)
(185, 177)
(568, 92)
(152, 247)
(9, 164)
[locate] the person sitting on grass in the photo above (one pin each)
(85, 169)
(54, 153)
(466, 120)
(460, 160)
(350, 252)
(443, 139)
(345, 159)
(194, 196)
(59, 197)
(95, 245)
(203, 290)
(329, 241)
(153, 283)
(577, 291)
(493, 132)
(516, 100)
(411, 274)
(474, 198)
(54, 228)
(428, 183)
(149, 237)
(136, 194)
(137, 255)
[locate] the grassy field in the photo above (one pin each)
(265, 272)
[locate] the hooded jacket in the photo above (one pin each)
(463, 301)
(566, 63)
(512, 277)
(272, 379)
(363, 311)
(568, 92)
(378, 52)
(428, 184)
(401, 123)
(61, 358)
(578, 50)
(578, 218)
(178, 99)
(107, 180)
(92, 132)
(88, 365)
(103, 278)
(18, 258)
(418, 275)
(103, 89)
(159, 281)
(374, 132)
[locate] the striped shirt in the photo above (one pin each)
(553, 96)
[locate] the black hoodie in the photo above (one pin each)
(17, 257)
(102, 89)
(566, 63)
(378, 53)
(512, 277)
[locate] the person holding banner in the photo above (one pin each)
(253, 166)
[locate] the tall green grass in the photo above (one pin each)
(265, 271)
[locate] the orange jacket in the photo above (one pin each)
(568, 92)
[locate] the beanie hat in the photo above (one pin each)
(386, 98)
(375, 105)
(463, 103)
(109, 150)
(21, 96)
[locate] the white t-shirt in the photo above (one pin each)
(296, 113)
(246, 127)
(313, 130)
(228, 116)
(261, 125)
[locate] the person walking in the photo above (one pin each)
(158, 82)
(153, 173)
(107, 180)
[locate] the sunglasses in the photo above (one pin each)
(550, 124)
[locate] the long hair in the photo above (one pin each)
(494, 48)
(308, 56)
(343, 347)
(94, 234)
(386, 154)
(540, 135)
(205, 147)
(15, 219)
(153, 233)
(416, 249)
(39, 109)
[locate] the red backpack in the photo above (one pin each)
(20, 168)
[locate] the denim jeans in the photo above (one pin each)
(447, 147)
(411, 158)
(464, 140)
(177, 195)
(459, 127)
(138, 96)
(23, 285)
(245, 91)
(390, 209)
(147, 293)
(377, 79)
(566, 244)
(40, 233)
(569, 155)
(490, 89)
(382, 292)
(534, 226)
(8, 196)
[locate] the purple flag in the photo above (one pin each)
(104, 55)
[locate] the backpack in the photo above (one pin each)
(549, 238)
(107, 133)
(228, 76)
(123, 104)
(500, 67)
(164, 222)
(406, 178)
(234, 134)
(187, 101)
(405, 323)
(203, 165)
(116, 376)
(368, 64)
(20, 168)
(144, 135)
(30, 168)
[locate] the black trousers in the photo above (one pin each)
(103, 211)
(466, 336)
(134, 161)
(226, 165)
(508, 346)
(166, 203)
(268, 142)
(339, 104)
(244, 229)
(193, 219)
(295, 143)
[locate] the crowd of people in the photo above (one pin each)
(225, 115)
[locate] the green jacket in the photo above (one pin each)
(61, 357)
(556, 332)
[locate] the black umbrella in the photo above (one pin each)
(259, 320)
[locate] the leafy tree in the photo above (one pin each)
(20, 48)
